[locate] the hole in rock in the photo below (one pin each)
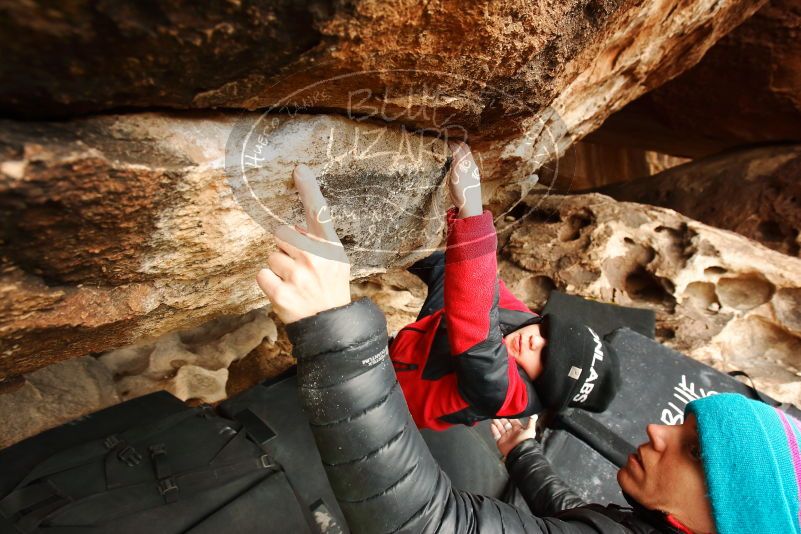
(9, 384)
(545, 216)
(770, 231)
(665, 334)
(744, 292)
(519, 211)
(711, 271)
(537, 290)
(643, 285)
(575, 222)
(702, 296)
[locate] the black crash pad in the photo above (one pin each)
(290, 443)
(603, 318)
(469, 457)
(656, 384)
(17, 460)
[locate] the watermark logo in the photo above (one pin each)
(383, 164)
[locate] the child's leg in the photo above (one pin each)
(431, 270)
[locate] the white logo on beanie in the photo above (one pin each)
(589, 384)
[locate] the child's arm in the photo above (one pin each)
(488, 376)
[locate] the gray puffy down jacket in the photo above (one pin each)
(378, 464)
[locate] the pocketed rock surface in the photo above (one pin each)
(755, 192)
(719, 297)
(123, 226)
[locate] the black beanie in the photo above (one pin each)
(580, 370)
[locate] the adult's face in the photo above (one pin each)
(666, 474)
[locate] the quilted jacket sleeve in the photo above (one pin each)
(380, 469)
(545, 493)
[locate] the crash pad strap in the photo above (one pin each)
(611, 446)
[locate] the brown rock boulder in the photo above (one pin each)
(55, 395)
(746, 89)
(718, 296)
(523, 80)
(128, 227)
(754, 192)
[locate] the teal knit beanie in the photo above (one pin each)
(750, 453)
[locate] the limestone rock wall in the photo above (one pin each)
(191, 364)
(719, 297)
(199, 365)
(54, 395)
(755, 192)
(118, 229)
(746, 89)
(523, 80)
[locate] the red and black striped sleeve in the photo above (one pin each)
(488, 377)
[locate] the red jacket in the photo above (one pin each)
(457, 370)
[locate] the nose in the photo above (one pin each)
(658, 435)
(536, 342)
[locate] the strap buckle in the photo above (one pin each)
(111, 441)
(266, 462)
(168, 489)
(129, 456)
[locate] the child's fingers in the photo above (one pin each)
(495, 433)
(459, 153)
(497, 426)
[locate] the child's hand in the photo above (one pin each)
(508, 434)
(464, 181)
(310, 272)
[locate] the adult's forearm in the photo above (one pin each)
(379, 467)
(544, 491)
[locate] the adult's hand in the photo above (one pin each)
(464, 181)
(310, 271)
